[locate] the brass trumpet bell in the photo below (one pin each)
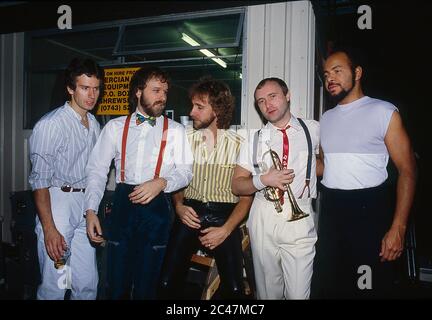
(271, 193)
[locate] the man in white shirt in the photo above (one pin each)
(361, 232)
(152, 159)
(60, 145)
(282, 250)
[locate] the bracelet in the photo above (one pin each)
(256, 180)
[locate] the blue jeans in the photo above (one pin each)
(138, 237)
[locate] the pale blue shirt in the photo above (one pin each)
(60, 146)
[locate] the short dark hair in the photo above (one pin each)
(80, 66)
(279, 81)
(139, 82)
(219, 97)
(354, 55)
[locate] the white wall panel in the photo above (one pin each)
(279, 42)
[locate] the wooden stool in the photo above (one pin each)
(212, 279)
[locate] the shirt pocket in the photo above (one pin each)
(298, 160)
(62, 150)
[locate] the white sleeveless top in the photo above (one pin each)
(352, 139)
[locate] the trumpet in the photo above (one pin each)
(271, 193)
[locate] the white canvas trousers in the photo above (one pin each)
(80, 274)
(282, 251)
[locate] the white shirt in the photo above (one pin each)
(352, 139)
(142, 151)
(297, 157)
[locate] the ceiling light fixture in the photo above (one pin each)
(186, 38)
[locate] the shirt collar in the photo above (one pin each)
(293, 123)
(198, 134)
(69, 110)
(133, 117)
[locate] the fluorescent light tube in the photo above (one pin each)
(206, 52)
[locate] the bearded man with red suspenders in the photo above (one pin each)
(152, 158)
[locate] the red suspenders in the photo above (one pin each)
(161, 150)
(162, 147)
(123, 149)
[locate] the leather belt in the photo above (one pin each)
(70, 189)
(211, 205)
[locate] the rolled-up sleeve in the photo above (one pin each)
(98, 167)
(314, 130)
(244, 158)
(43, 148)
(181, 175)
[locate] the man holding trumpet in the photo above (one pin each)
(282, 241)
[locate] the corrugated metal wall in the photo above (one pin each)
(279, 42)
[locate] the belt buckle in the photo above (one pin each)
(66, 188)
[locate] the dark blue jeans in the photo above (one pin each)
(138, 237)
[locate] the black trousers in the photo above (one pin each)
(184, 242)
(352, 224)
(138, 235)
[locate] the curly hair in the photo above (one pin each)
(219, 97)
(139, 82)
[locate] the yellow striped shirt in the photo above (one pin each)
(213, 171)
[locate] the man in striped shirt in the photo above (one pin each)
(208, 213)
(60, 145)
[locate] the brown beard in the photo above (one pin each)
(149, 108)
(203, 124)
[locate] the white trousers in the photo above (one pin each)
(80, 274)
(282, 251)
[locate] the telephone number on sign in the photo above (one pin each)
(113, 108)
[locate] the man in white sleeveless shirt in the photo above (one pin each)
(361, 230)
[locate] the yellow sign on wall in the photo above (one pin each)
(115, 98)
